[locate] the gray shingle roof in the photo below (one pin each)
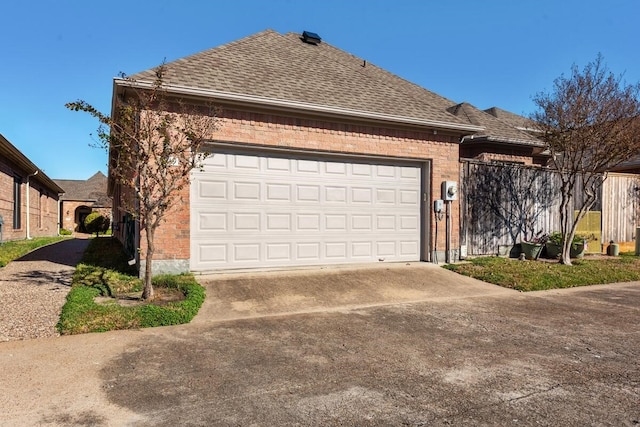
(270, 65)
(512, 119)
(494, 129)
(92, 190)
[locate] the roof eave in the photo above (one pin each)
(511, 141)
(20, 160)
(301, 106)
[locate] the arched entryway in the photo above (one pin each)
(80, 215)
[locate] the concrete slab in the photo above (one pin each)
(249, 295)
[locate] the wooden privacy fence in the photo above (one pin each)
(503, 204)
(620, 209)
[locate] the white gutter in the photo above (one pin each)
(295, 105)
(28, 222)
(59, 219)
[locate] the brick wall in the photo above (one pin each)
(70, 218)
(508, 154)
(43, 205)
(269, 130)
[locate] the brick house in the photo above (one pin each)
(28, 197)
(506, 137)
(82, 197)
(321, 158)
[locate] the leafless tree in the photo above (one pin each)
(154, 142)
(508, 199)
(589, 122)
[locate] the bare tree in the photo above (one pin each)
(154, 142)
(590, 125)
(508, 199)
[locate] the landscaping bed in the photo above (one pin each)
(105, 295)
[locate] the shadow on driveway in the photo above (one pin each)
(67, 252)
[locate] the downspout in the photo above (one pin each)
(59, 219)
(28, 222)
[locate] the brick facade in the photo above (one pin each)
(172, 240)
(503, 153)
(43, 204)
(72, 212)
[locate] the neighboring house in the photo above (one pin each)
(506, 137)
(321, 158)
(28, 197)
(82, 197)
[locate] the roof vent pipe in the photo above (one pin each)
(311, 38)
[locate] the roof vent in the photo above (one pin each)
(311, 38)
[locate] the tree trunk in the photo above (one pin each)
(565, 223)
(147, 292)
(565, 256)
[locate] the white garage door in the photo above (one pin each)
(256, 211)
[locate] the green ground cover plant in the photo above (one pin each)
(12, 250)
(105, 295)
(541, 275)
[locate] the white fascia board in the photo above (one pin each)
(295, 105)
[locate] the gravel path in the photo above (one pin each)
(33, 290)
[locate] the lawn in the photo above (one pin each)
(105, 294)
(12, 250)
(540, 275)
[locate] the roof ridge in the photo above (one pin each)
(272, 66)
(388, 75)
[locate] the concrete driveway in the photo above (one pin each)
(276, 293)
(465, 353)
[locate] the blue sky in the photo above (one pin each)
(486, 52)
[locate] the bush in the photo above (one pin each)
(96, 223)
(65, 232)
(578, 239)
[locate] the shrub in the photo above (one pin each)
(578, 239)
(65, 232)
(96, 223)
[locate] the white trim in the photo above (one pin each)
(295, 105)
(237, 147)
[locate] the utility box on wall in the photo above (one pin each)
(449, 190)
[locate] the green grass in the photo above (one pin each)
(10, 251)
(104, 272)
(540, 275)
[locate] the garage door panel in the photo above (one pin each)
(246, 191)
(277, 192)
(308, 251)
(246, 252)
(278, 252)
(409, 247)
(333, 168)
(269, 211)
(308, 222)
(211, 189)
(361, 195)
(279, 222)
(308, 193)
(246, 162)
(212, 221)
(278, 164)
